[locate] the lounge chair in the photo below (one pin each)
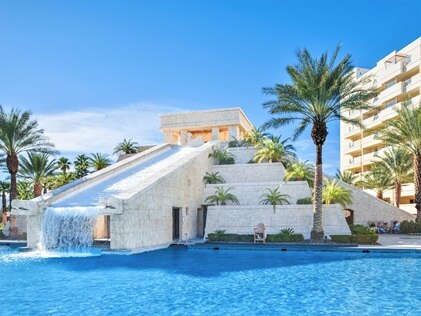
(260, 233)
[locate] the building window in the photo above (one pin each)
(391, 103)
(375, 117)
(391, 84)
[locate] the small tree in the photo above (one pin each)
(275, 150)
(222, 196)
(63, 164)
(255, 136)
(274, 197)
(213, 178)
(346, 176)
(5, 188)
(300, 171)
(99, 161)
(222, 156)
(81, 166)
(376, 180)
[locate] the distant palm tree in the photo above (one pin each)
(375, 179)
(255, 136)
(274, 197)
(63, 179)
(320, 90)
(81, 166)
(19, 134)
(275, 150)
(99, 161)
(222, 196)
(405, 132)
(396, 163)
(333, 192)
(36, 167)
(300, 171)
(127, 146)
(213, 178)
(63, 164)
(346, 176)
(222, 156)
(5, 188)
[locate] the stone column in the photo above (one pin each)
(169, 137)
(215, 133)
(183, 138)
(233, 131)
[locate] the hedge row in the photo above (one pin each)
(355, 239)
(250, 238)
(410, 227)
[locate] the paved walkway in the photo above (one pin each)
(399, 241)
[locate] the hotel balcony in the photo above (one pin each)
(413, 83)
(391, 92)
(371, 140)
(392, 70)
(353, 163)
(372, 157)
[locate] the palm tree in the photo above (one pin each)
(396, 163)
(81, 166)
(222, 196)
(19, 134)
(127, 146)
(376, 180)
(275, 150)
(321, 88)
(5, 188)
(300, 171)
(405, 132)
(35, 167)
(222, 156)
(346, 176)
(255, 136)
(333, 192)
(99, 161)
(213, 178)
(63, 179)
(274, 197)
(63, 164)
(24, 190)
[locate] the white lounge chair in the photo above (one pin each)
(260, 233)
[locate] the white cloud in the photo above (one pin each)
(99, 130)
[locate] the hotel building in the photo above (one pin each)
(397, 79)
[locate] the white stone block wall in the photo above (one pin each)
(242, 155)
(242, 219)
(147, 217)
(264, 172)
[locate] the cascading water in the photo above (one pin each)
(68, 228)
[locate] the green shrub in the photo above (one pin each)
(284, 238)
(220, 235)
(361, 230)
(305, 201)
(410, 227)
(355, 239)
(287, 232)
(1, 230)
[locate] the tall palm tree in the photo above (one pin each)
(127, 146)
(5, 188)
(36, 167)
(99, 161)
(19, 134)
(346, 176)
(396, 163)
(321, 88)
(375, 179)
(405, 132)
(274, 197)
(63, 163)
(300, 171)
(81, 166)
(255, 136)
(333, 192)
(275, 150)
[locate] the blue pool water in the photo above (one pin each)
(206, 282)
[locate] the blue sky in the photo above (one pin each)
(94, 72)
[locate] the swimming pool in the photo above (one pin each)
(178, 281)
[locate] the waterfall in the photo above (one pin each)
(68, 228)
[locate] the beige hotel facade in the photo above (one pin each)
(397, 79)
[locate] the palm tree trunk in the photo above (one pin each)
(12, 163)
(4, 207)
(417, 183)
(318, 134)
(37, 189)
(379, 194)
(397, 194)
